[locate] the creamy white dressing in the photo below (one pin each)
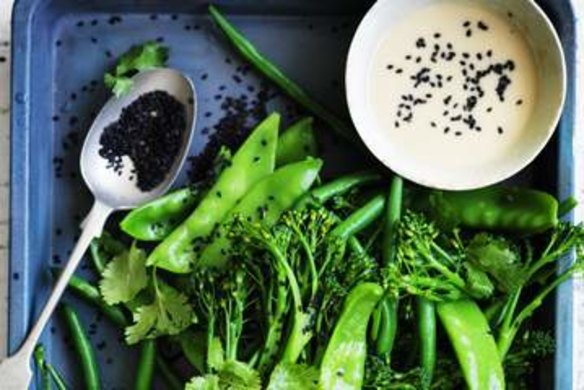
(435, 121)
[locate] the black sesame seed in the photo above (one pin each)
(489, 53)
(204, 76)
(489, 109)
(399, 71)
(466, 23)
(153, 17)
(151, 142)
(500, 130)
(437, 35)
(55, 118)
(80, 23)
(408, 57)
(458, 134)
(433, 124)
(446, 129)
(482, 25)
(16, 276)
(94, 22)
(58, 43)
(389, 67)
(468, 33)
(519, 102)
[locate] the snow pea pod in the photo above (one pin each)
(252, 162)
(517, 210)
(157, 219)
(297, 143)
(264, 203)
(343, 363)
(475, 347)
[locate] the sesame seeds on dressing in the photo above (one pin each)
(478, 74)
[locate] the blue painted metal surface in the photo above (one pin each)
(62, 49)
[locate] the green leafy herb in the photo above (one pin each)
(287, 376)
(169, 314)
(149, 55)
(124, 276)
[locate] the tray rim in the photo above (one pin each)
(20, 302)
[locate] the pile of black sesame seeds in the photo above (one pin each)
(473, 68)
(150, 132)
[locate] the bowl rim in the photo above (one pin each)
(470, 181)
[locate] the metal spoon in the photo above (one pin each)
(112, 192)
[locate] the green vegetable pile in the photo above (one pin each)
(265, 276)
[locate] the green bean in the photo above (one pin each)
(171, 379)
(392, 216)
(296, 143)
(343, 363)
(155, 220)
(264, 203)
(57, 378)
(90, 293)
(268, 69)
(387, 327)
(389, 305)
(145, 371)
(39, 359)
(360, 219)
(516, 210)
(254, 160)
(83, 347)
(427, 332)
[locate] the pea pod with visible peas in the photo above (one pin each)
(517, 210)
(264, 203)
(343, 363)
(474, 345)
(254, 160)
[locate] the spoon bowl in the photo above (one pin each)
(112, 192)
(116, 190)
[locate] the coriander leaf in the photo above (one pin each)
(293, 376)
(499, 258)
(207, 382)
(169, 314)
(478, 282)
(140, 57)
(124, 276)
(236, 375)
(215, 355)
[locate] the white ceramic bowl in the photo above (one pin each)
(551, 85)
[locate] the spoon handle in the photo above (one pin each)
(93, 227)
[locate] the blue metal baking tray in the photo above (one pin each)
(61, 49)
